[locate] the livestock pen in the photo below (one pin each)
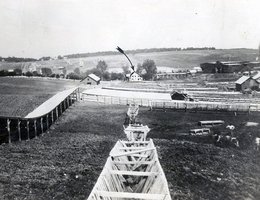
(38, 121)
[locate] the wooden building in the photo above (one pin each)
(133, 77)
(245, 83)
(91, 79)
(228, 67)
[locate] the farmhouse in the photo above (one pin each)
(91, 79)
(228, 67)
(247, 82)
(133, 77)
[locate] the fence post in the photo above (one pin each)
(19, 130)
(47, 120)
(28, 129)
(67, 101)
(70, 100)
(52, 117)
(35, 128)
(57, 113)
(60, 108)
(9, 131)
(41, 126)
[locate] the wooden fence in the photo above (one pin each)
(174, 104)
(21, 128)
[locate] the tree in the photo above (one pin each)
(117, 76)
(77, 71)
(148, 69)
(46, 71)
(18, 72)
(102, 66)
(28, 74)
(73, 76)
(126, 70)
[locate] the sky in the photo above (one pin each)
(36, 28)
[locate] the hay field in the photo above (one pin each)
(66, 162)
(21, 95)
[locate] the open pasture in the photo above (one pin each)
(21, 95)
(66, 162)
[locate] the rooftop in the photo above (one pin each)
(242, 79)
(94, 77)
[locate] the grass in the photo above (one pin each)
(19, 96)
(66, 162)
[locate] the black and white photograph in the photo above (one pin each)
(129, 100)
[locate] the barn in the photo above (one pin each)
(228, 67)
(91, 79)
(245, 83)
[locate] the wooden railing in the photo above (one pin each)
(26, 128)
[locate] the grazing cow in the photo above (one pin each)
(257, 143)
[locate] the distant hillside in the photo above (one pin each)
(168, 59)
(107, 53)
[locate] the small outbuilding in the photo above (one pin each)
(91, 79)
(180, 96)
(245, 83)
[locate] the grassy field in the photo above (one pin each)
(171, 59)
(19, 96)
(66, 162)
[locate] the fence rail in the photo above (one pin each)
(178, 105)
(25, 128)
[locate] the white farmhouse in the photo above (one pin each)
(133, 77)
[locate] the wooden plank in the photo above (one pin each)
(129, 195)
(135, 142)
(133, 162)
(133, 152)
(130, 148)
(133, 173)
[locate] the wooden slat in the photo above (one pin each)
(133, 152)
(133, 162)
(135, 142)
(128, 195)
(130, 148)
(133, 173)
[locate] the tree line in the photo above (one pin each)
(147, 70)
